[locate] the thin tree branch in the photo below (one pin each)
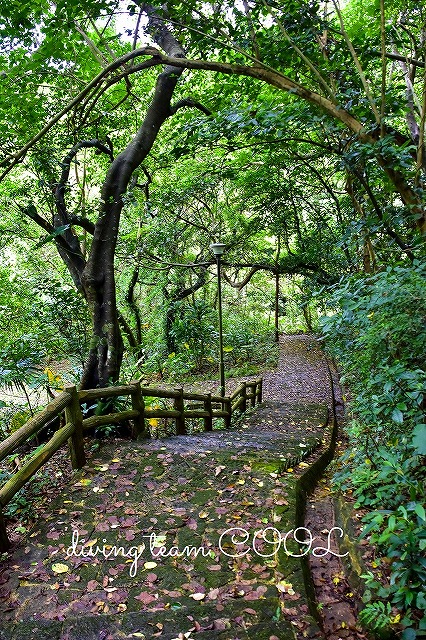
(17, 157)
(66, 167)
(300, 53)
(355, 58)
(399, 57)
(240, 285)
(31, 212)
(401, 244)
(189, 102)
(135, 35)
(256, 49)
(97, 54)
(100, 36)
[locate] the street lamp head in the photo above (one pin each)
(218, 248)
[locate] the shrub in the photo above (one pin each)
(376, 334)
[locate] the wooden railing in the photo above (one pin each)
(69, 403)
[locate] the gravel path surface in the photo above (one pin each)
(301, 375)
(296, 397)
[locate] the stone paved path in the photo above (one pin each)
(164, 538)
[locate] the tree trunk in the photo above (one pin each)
(97, 279)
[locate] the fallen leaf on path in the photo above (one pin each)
(145, 597)
(60, 568)
(92, 585)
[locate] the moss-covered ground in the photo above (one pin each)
(165, 537)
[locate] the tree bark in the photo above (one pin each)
(98, 279)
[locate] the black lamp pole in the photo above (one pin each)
(218, 249)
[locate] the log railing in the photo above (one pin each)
(73, 424)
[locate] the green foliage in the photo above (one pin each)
(378, 338)
(23, 505)
(12, 416)
(379, 342)
(20, 362)
(248, 340)
(194, 331)
(389, 477)
(401, 535)
(37, 301)
(376, 615)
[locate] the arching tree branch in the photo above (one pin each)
(189, 102)
(240, 285)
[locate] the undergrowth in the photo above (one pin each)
(376, 334)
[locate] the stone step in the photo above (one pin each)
(235, 621)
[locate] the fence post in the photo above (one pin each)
(208, 421)
(244, 396)
(228, 408)
(259, 390)
(4, 540)
(138, 404)
(180, 420)
(73, 414)
(252, 386)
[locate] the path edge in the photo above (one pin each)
(305, 486)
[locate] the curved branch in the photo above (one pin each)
(176, 61)
(66, 166)
(294, 266)
(96, 95)
(84, 223)
(271, 77)
(240, 285)
(71, 254)
(17, 157)
(181, 294)
(189, 102)
(77, 263)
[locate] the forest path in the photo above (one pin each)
(165, 512)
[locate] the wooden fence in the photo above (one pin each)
(69, 403)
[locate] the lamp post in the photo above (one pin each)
(218, 249)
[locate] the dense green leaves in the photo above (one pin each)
(378, 338)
